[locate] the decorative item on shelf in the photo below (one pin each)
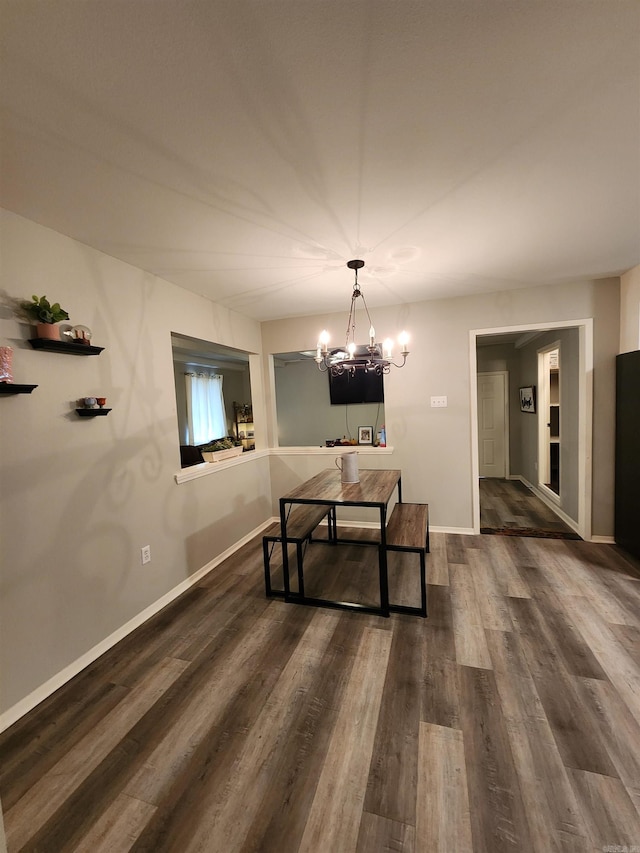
(46, 316)
(372, 357)
(7, 385)
(224, 448)
(92, 407)
(79, 335)
(6, 364)
(365, 435)
(341, 442)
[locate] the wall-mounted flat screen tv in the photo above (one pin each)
(364, 387)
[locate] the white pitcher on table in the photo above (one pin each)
(348, 465)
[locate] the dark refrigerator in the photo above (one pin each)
(627, 489)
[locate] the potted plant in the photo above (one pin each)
(45, 315)
(222, 448)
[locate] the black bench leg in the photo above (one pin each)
(299, 558)
(267, 571)
(333, 525)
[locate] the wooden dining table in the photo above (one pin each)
(374, 490)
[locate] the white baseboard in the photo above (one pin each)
(603, 540)
(9, 717)
(462, 531)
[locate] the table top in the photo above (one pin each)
(374, 489)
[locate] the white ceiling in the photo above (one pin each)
(247, 150)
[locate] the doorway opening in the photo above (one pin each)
(549, 420)
(525, 467)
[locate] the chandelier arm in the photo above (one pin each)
(366, 308)
(404, 360)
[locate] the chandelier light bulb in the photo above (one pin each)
(403, 340)
(324, 339)
(372, 335)
(387, 347)
(351, 348)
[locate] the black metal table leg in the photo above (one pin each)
(285, 550)
(382, 563)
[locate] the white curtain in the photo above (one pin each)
(206, 418)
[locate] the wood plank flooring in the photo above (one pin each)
(509, 720)
(511, 504)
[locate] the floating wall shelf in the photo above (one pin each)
(61, 346)
(92, 413)
(12, 388)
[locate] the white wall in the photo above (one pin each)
(79, 497)
(433, 446)
(630, 310)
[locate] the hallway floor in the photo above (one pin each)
(509, 507)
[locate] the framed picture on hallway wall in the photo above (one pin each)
(528, 399)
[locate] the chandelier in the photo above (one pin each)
(372, 357)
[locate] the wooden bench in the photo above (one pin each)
(301, 522)
(408, 530)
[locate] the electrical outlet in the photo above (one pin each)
(145, 554)
(438, 402)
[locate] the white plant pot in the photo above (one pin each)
(220, 455)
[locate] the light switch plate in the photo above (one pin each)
(438, 402)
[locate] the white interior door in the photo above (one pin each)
(492, 424)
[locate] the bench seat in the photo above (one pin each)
(301, 522)
(408, 530)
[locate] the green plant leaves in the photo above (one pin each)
(41, 310)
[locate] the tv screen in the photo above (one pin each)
(364, 387)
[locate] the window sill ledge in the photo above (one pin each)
(314, 450)
(194, 472)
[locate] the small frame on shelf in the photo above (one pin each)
(69, 348)
(528, 399)
(365, 435)
(13, 388)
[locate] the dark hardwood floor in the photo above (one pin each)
(508, 504)
(507, 720)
